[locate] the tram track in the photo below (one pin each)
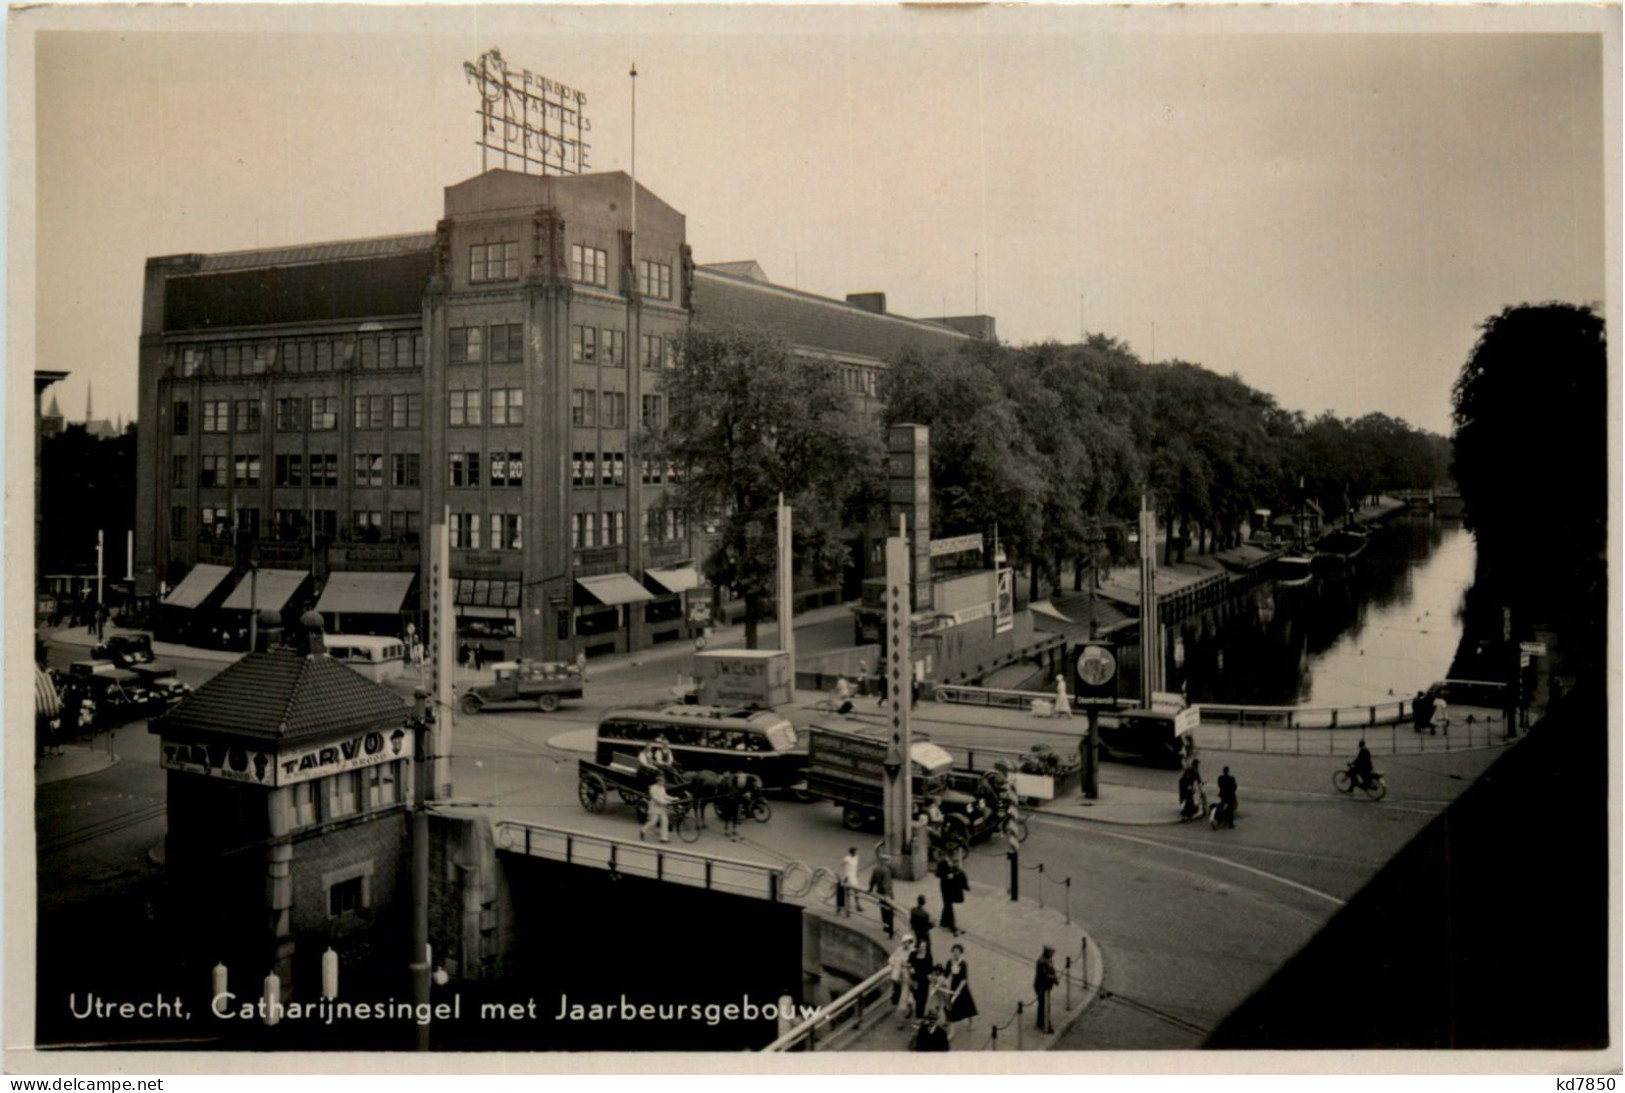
(101, 829)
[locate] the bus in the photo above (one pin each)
(715, 738)
(377, 658)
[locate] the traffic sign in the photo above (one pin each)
(1096, 665)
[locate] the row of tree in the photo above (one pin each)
(1052, 445)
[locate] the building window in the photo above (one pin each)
(651, 473)
(465, 530)
(589, 265)
(493, 261)
(584, 530)
(369, 469)
(584, 469)
(177, 522)
(246, 470)
(383, 785)
(507, 469)
(404, 525)
(290, 470)
(649, 350)
(654, 525)
(507, 406)
(305, 811)
(248, 415)
(405, 468)
(324, 469)
(615, 348)
(324, 412)
(406, 411)
(463, 407)
(505, 531)
(190, 358)
(216, 415)
(288, 524)
(214, 521)
(614, 410)
(584, 345)
(677, 524)
(651, 411)
(181, 418)
(211, 471)
(465, 469)
(583, 407)
(615, 528)
(368, 412)
(368, 525)
(466, 345)
(179, 474)
(654, 279)
(289, 415)
(670, 358)
(248, 522)
(507, 343)
(614, 468)
(325, 521)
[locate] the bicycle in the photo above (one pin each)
(797, 881)
(1375, 788)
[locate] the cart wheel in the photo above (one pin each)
(854, 819)
(688, 828)
(760, 811)
(547, 703)
(592, 792)
(471, 704)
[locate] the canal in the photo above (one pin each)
(1388, 626)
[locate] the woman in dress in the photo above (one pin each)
(961, 1003)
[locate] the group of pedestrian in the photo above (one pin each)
(1430, 711)
(935, 995)
(1193, 794)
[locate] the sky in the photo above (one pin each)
(1326, 208)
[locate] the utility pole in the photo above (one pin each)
(787, 629)
(1091, 749)
(422, 766)
(99, 537)
(898, 763)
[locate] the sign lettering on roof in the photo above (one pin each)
(240, 763)
(530, 120)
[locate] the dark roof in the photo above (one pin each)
(307, 289)
(813, 322)
(284, 695)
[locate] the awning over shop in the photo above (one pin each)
(267, 588)
(47, 704)
(613, 589)
(197, 586)
(1047, 609)
(365, 593)
(675, 579)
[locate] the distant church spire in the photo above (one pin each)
(55, 410)
(89, 414)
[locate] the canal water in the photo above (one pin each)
(1386, 627)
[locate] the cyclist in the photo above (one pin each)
(1360, 769)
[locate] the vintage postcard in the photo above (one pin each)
(805, 538)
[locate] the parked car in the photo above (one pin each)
(125, 650)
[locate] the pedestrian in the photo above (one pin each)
(933, 1035)
(897, 967)
(1441, 715)
(846, 893)
(919, 981)
(659, 815)
(880, 883)
(581, 665)
(1044, 980)
(841, 697)
(1190, 790)
(951, 881)
(1063, 704)
(1421, 711)
(862, 681)
(1226, 813)
(919, 920)
(961, 1003)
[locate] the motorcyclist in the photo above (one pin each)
(1360, 769)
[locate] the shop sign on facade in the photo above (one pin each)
(237, 763)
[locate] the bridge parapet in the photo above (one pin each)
(639, 859)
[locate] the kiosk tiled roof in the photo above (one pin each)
(283, 694)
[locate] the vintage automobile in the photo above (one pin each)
(125, 650)
(116, 695)
(538, 683)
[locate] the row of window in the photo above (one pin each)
(506, 531)
(468, 344)
(507, 469)
(608, 529)
(493, 261)
(292, 525)
(341, 795)
(606, 346)
(592, 408)
(243, 415)
(464, 406)
(300, 356)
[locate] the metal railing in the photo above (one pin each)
(638, 859)
(846, 1012)
(991, 696)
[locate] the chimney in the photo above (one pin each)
(311, 621)
(868, 301)
(270, 630)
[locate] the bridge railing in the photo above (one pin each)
(846, 1012)
(638, 859)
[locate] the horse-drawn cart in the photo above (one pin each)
(630, 780)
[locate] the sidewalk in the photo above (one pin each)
(80, 637)
(76, 761)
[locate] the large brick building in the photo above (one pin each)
(317, 408)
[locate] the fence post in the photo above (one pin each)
(1264, 727)
(1069, 984)
(993, 1042)
(1069, 901)
(1019, 1007)
(1040, 884)
(1230, 736)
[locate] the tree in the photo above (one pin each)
(1530, 455)
(87, 484)
(747, 420)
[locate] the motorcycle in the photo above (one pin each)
(1222, 813)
